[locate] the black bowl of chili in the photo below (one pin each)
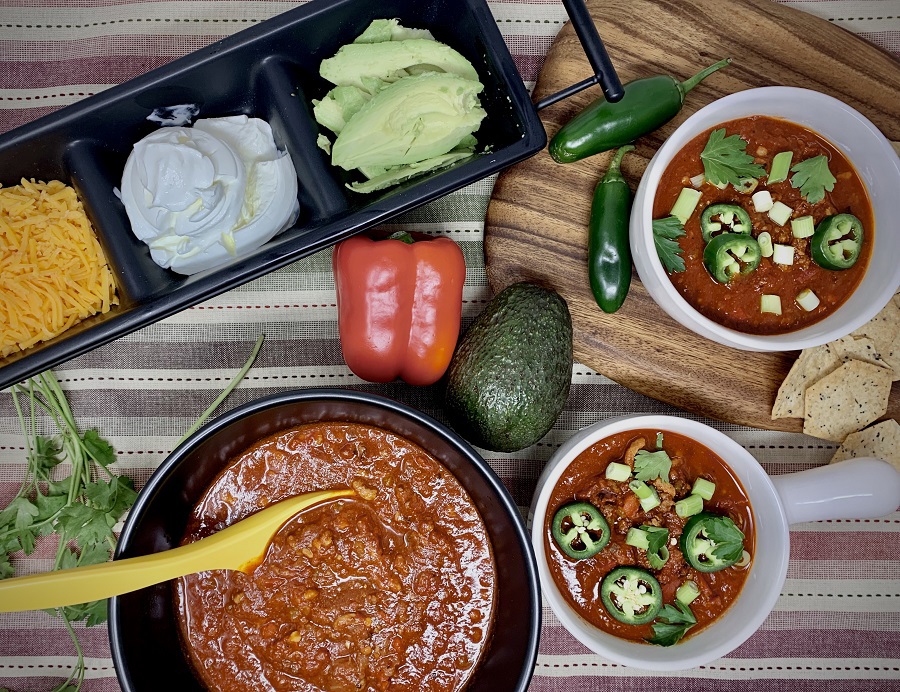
(152, 649)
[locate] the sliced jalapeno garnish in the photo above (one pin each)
(631, 595)
(580, 530)
(837, 241)
(730, 254)
(724, 218)
(711, 542)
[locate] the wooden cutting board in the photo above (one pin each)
(536, 227)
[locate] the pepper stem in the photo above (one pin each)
(613, 173)
(691, 82)
(402, 236)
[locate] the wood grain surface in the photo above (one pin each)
(536, 227)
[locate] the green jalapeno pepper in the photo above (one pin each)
(711, 542)
(609, 252)
(730, 254)
(724, 218)
(647, 104)
(837, 242)
(580, 530)
(631, 595)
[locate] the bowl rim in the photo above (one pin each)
(185, 448)
(628, 652)
(647, 260)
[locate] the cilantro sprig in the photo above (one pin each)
(651, 465)
(813, 177)
(725, 159)
(672, 624)
(665, 236)
(82, 508)
(726, 536)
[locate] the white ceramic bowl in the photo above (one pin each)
(861, 142)
(860, 488)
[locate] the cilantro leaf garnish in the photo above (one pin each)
(665, 234)
(672, 624)
(727, 537)
(657, 537)
(813, 178)
(650, 465)
(725, 159)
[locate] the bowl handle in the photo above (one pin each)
(863, 488)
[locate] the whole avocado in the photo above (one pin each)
(509, 378)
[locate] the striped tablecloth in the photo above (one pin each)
(836, 625)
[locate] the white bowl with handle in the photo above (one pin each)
(854, 489)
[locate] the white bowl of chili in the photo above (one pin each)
(732, 601)
(747, 297)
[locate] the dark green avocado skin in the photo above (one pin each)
(509, 378)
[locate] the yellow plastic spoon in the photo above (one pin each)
(237, 547)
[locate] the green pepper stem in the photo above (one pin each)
(691, 82)
(402, 236)
(614, 173)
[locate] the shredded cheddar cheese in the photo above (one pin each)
(53, 273)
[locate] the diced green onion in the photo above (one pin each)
(687, 593)
(746, 185)
(641, 489)
(703, 488)
(658, 560)
(807, 300)
(762, 201)
(783, 254)
(659, 440)
(770, 303)
(689, 506)
(780, 213)
(638, 538)
(618, 472)
(685, 204)
(781, 166)
(765, 244)
(802, 227)
(698, 180)
(648, 503)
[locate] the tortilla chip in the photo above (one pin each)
(883, 330)
(881, 441)
(860, 348)
(846, 400)
(810, 366)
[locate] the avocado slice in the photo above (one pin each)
(411, 120)
(509, 378)
(391, 60)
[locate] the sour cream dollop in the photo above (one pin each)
(201, 196)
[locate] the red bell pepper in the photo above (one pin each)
(399, 305)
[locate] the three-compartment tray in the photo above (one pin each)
(269, 71)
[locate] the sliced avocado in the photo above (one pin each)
(338, 106)
(398, 174)
(390, 60)
(509, 378)
(390, 30)
(411, 120)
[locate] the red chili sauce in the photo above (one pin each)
(584, 480)
(737, 304)
(390, 589)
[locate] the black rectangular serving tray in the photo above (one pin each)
(269, 71)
